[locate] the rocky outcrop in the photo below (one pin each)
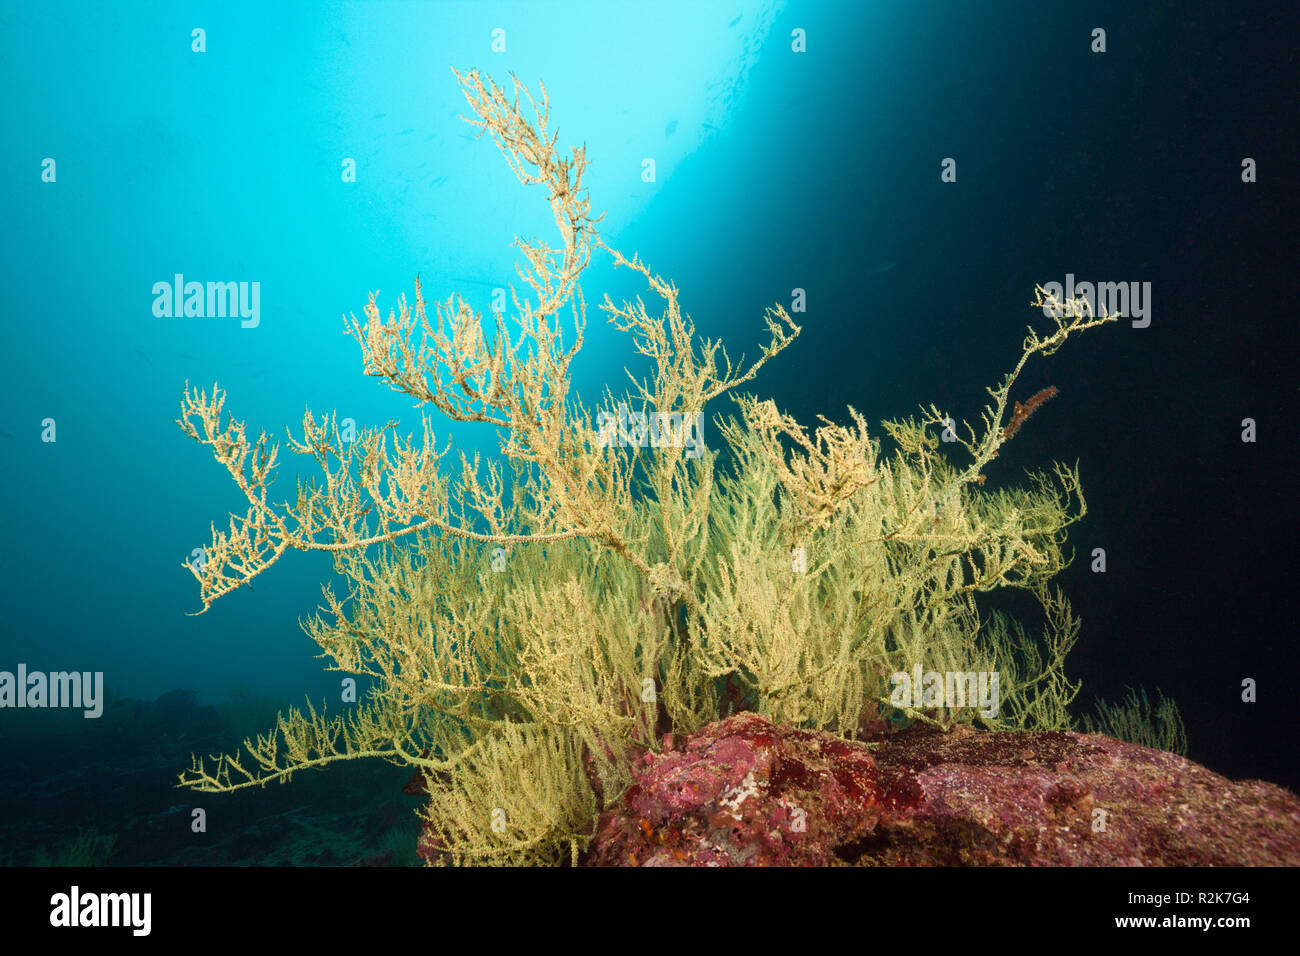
(743, 792)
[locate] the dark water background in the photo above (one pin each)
(775, 171)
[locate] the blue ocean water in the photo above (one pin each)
(775, 170)
(225, 165)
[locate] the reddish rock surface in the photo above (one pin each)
(743, 792)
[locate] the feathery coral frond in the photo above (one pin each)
(531, 627)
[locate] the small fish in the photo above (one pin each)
(143, 356)
(735, 21)
(439, 181)
(443, 277)
(670, 128)
(489, 285)
(379, 116)
(409, 129)
(5, 434)
(709, 126)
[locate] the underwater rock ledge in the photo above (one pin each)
(744, 792)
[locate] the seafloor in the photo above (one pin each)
(103, 792)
